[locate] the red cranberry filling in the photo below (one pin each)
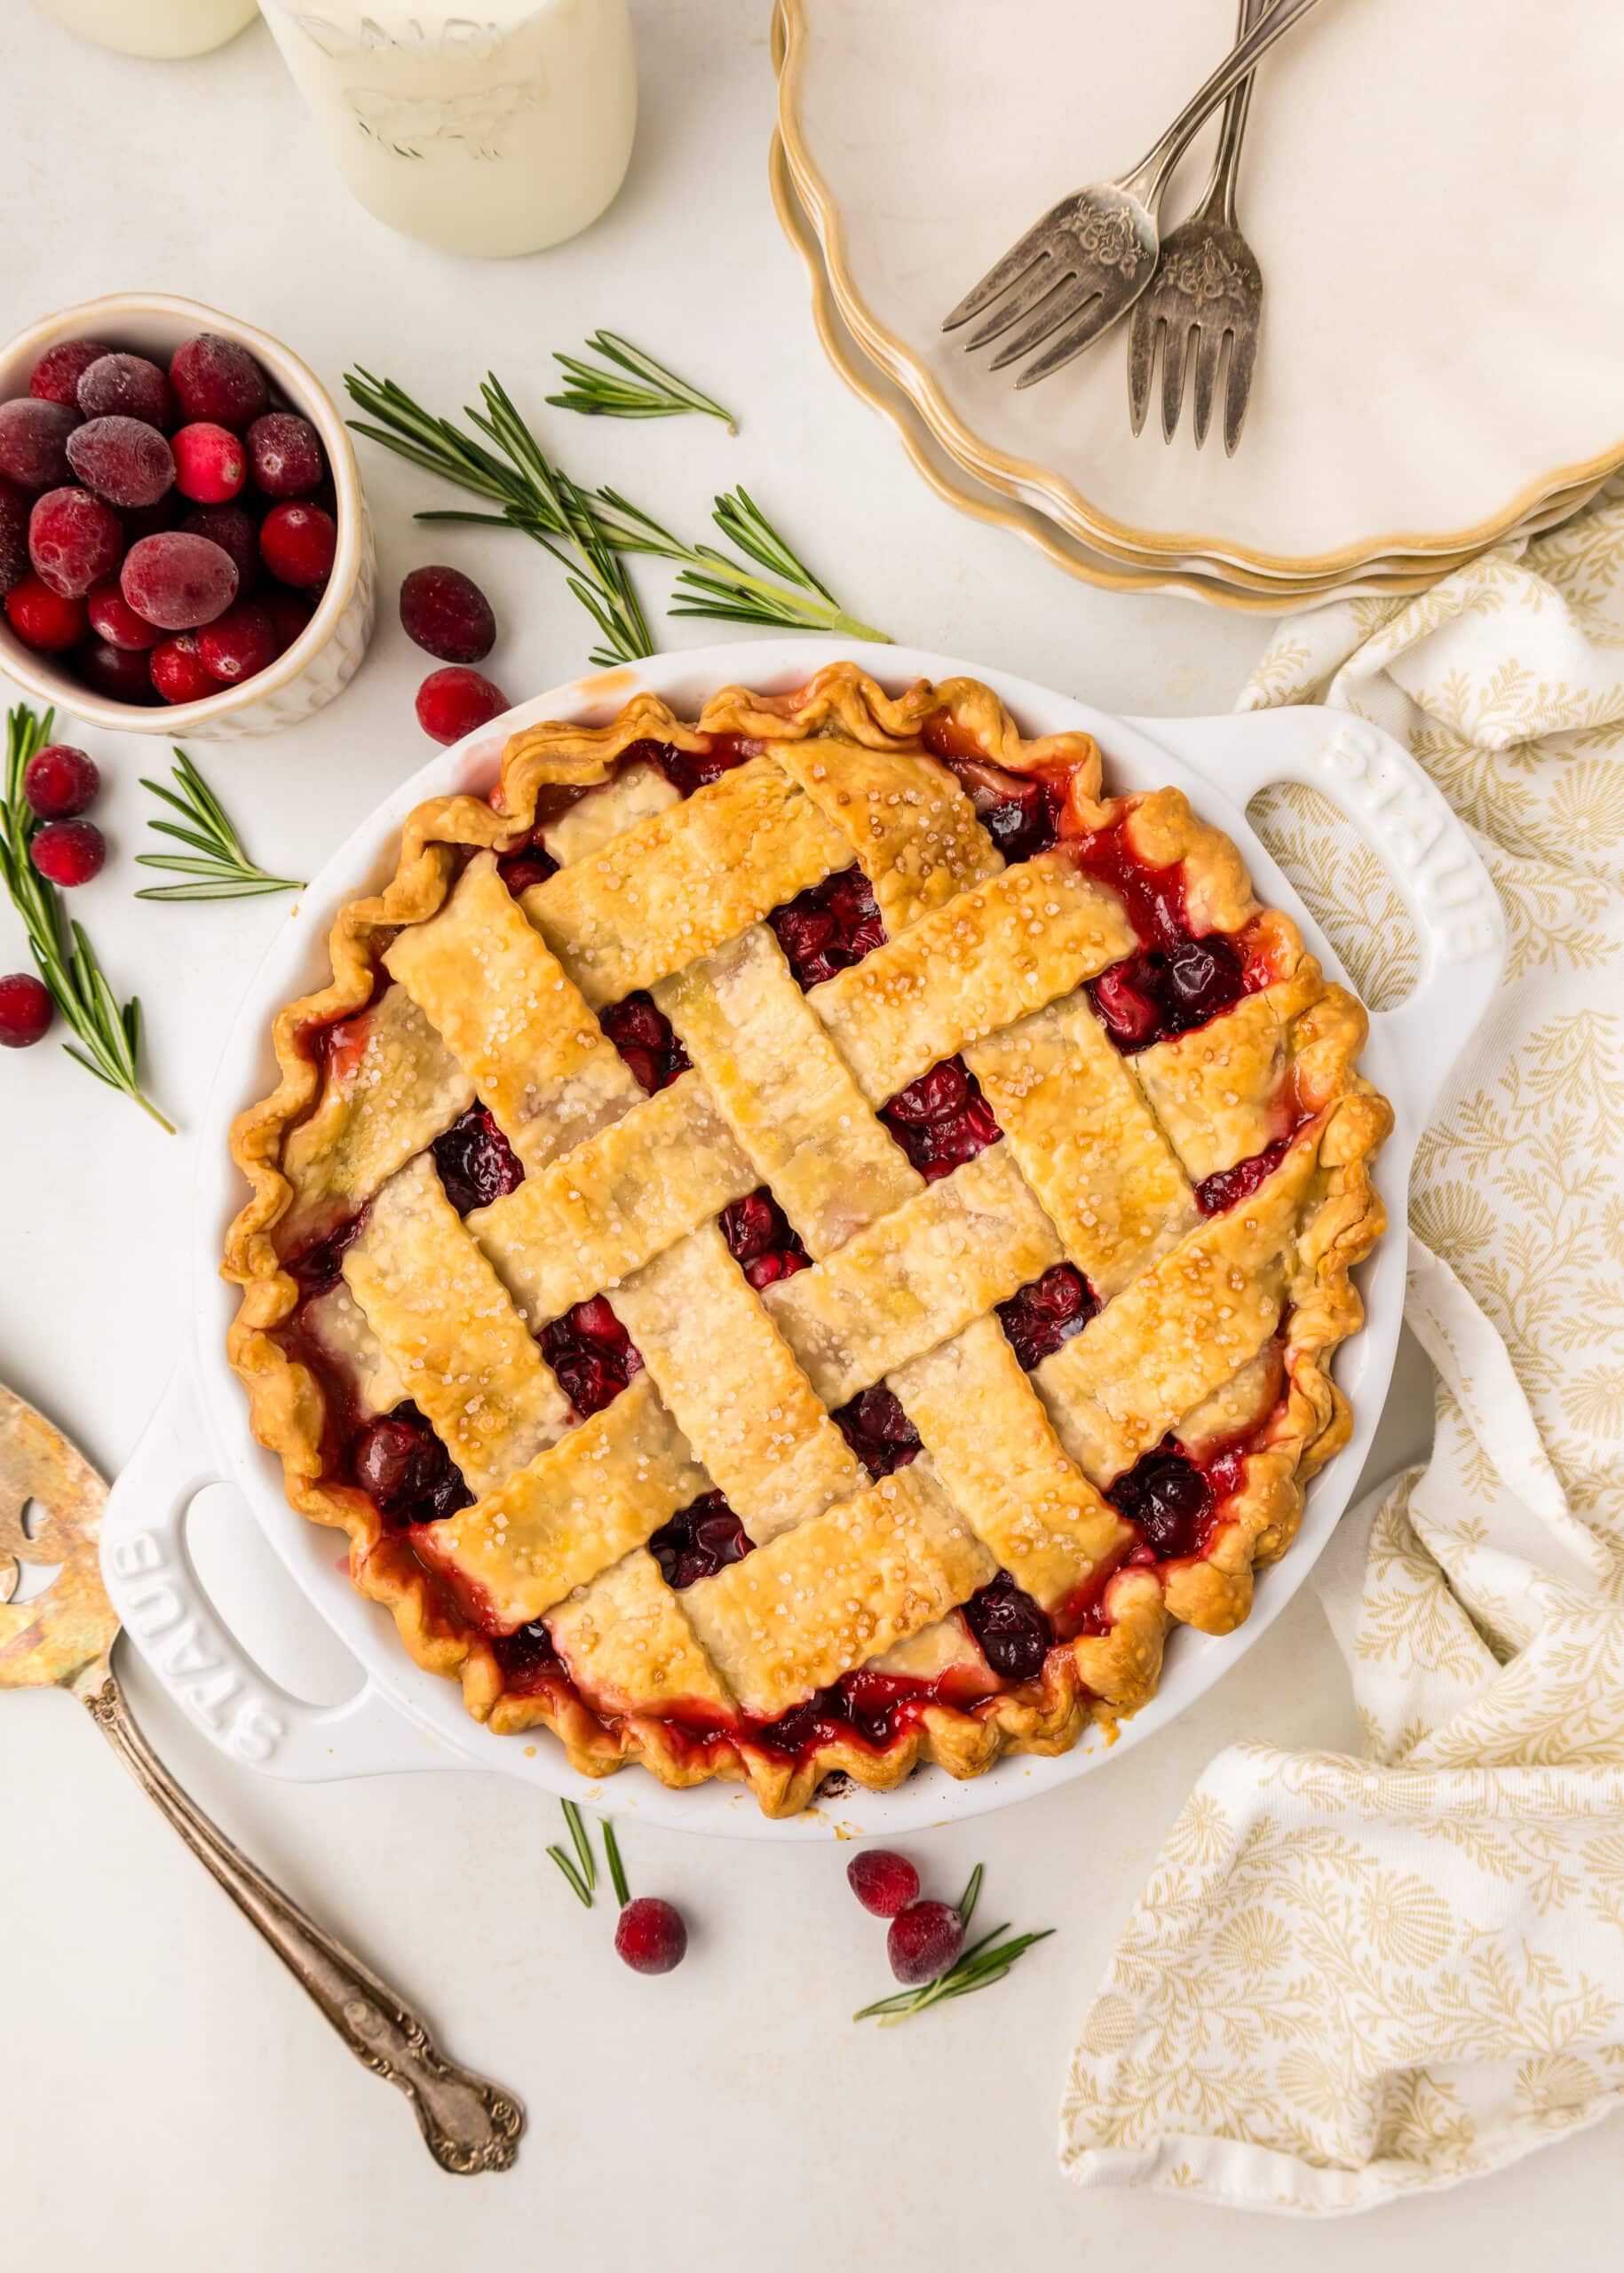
(1039, 1318)
(879, 1431)
(1221, 1190)
(941, 1119)
(703, 1539)
(761, 1239)
(1013, 1633)
(646, 1039)
(590, 1352)
(1168, 1498)
(526, 1656)
(829, 926)
(1154, 897)
(531, 864)
(1155, 995)
(314, 1267)
(874, 1707)
(402, 1466)
(476, 1163)
(1020, 812)
(688, 770)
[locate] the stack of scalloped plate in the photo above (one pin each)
(1428, 191)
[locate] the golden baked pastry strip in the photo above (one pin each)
(629, 1648)
(911, 829)
(1219, 1092)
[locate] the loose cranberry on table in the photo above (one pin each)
(298, 543)
(74, 540)
(26, 1011)
(125, 386)
(113, 620)
(924, 1940)
(447, 615)
(179, 581)
(240, 643)
(453, 702)
(47, 621)
(13, 534)
(215, 378)
(34, 441)
(60, 782)
(69, 853)
(122, 460)
(650, 1934)
(883, 1881)
(56, 377)
(210, 462)
(284, 454)
(179, 673)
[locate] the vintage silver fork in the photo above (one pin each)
(1207, 288)
(1086, 262)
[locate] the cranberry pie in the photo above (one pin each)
(799, 1242)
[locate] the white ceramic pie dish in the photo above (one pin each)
(400, 1717)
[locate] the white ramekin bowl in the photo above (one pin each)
(325, 656)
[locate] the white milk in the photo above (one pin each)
(161, 28)
(500, 130)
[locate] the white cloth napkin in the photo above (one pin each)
(1349, 1979)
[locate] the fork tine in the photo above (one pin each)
(1043, 278)
(1057, 308)
(1099, 314)
(1174, 350)
(1141, 361)
(1001, 274)
(1238, 388)
(1210, 349)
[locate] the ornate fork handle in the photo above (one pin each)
(469, 2122)
(1153, 169)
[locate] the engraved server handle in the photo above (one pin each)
(470, 2124)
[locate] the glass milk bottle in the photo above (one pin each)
(157, 28)
(499, 130)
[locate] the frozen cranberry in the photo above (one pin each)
(703, 1539)
(645, 1039)
(69, 853)
(924, 1940)
(296, 543)
(650, 1936)
(402, 1466)
(476, 1163)
(179, 672)
(1168, 1499)
(447, 615)
(454, 703)
(60, 782)
(289, 614)
(13, 534)
(231, 528)
(74, 540)
(215, 378)
(56, 377)
(26, 1011)
(830, 927)
(179, 581)
(45, 621)
(117, 674)
(1041, 1316)
(1011, 1628)
(238, 643)
(126, 386)
(210, 462)
(34, 441)
(149, 520)
(284, 452)
(116, 622)
(122, 460)
(883, 1881)
(879, 1431)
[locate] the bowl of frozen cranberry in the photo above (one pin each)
(185, 549)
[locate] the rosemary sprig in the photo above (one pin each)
(617, 1869)
(216, 860)
(588, 530)
(583, 1873)
(109, 1037)
(978, 1966)
(651, 390)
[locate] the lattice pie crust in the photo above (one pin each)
(1219, 1302)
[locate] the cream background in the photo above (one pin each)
(165, 2094)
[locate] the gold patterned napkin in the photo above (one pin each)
(1349, 1979)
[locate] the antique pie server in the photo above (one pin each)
(63, 1638)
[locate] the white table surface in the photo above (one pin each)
(167, 2098)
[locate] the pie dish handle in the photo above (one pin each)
(1432, 863)
(191, 1650)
